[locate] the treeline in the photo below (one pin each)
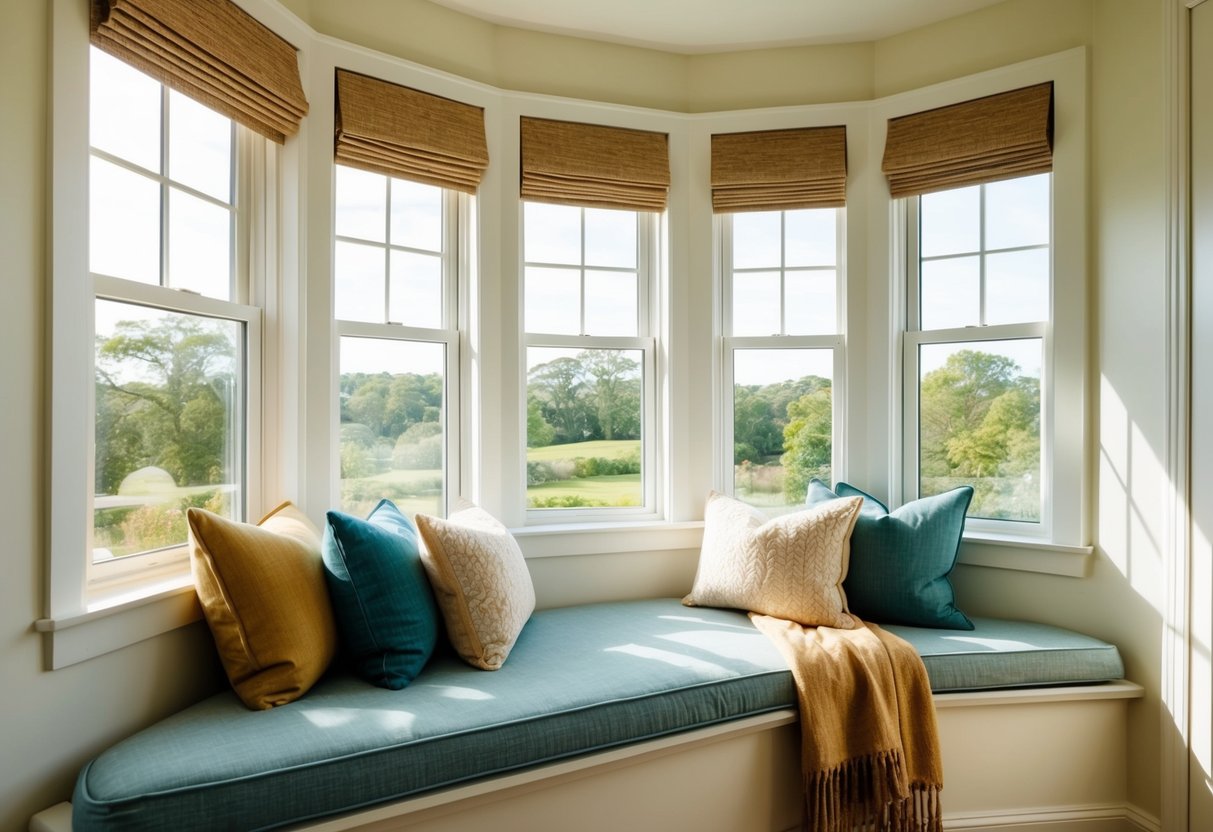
(979, 423)
(390, 421)
(592, 395)
(782, 436)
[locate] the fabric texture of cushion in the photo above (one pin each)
(386, 616)
(900, 560)
(263, 593)
(481, 582)
(790, 567)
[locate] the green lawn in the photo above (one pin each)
(617, 490)
(605, 448)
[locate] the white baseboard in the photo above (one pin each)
(1106, 818)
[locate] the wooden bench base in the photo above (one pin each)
(1040, 759)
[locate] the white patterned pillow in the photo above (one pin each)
(481, 582)
(790, 567)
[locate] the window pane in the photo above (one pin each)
(756, 304)
(811, 307)
(951, 293)
(415, 297)
(1017, 287)
(361, 204)
(200, 147)
(199, 246)
(393, 425)
(168, 425)
(359, 291)
(124, 111)
(552, 233)
(756, 240)
(123, 223)
(782, 424)
(1017, 212)
(610, 238)
(951, 222)
(979, 425)
(553, 301)
(812, 237)
(416, 215)
(610, 303)
(584, 420)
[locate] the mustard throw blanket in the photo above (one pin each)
(869, 749)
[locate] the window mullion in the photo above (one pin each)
(165, 188)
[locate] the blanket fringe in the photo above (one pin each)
(867, 794)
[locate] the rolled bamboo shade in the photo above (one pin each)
(779, 170)
(403, 132)
(211, 50)
(594, 166)
(984, 140)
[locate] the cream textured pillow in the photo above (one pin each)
(790, 567)
(263, 592)
(481, 582)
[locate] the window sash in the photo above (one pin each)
(106, 577)
(651, 476)
(914, 338)
(730, 344)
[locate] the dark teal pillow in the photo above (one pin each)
(900, 561)
(386, 615)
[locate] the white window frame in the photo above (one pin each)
(1066, 445)
(915, 338)
(730, 344)
(457, 211)
(648, 234)
(90, 611)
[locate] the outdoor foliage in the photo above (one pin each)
(782, 438)
(979, 423)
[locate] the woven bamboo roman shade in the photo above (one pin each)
(211, 50)
(779, 170)
(403, 132)
(594, 166)
(997, 137)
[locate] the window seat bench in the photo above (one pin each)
(643, 713)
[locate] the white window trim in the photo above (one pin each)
(80, 624)
(729, 344)
(652, 476)
(1066, 414)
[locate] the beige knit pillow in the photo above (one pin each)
(481, 582)
(790, 567)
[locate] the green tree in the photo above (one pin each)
(560, 388)
(538, 432)
(808, 442)
(164, 392)
(615, 392)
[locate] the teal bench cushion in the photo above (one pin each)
(1010, 654)
(579, 679)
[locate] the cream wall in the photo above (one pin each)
(54, 721)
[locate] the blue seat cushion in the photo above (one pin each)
(1010, 654)
(579, 679)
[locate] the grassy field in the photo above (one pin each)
(605, 448)
(618, 490)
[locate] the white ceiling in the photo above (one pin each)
(693, 26)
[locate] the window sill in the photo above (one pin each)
(569, 539)
(115, 622)
(1026, 555)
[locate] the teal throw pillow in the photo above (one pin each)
(386, 615)
(900, 560)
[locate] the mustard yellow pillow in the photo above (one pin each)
(263, 593)
(790, 567)
(481, 582)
